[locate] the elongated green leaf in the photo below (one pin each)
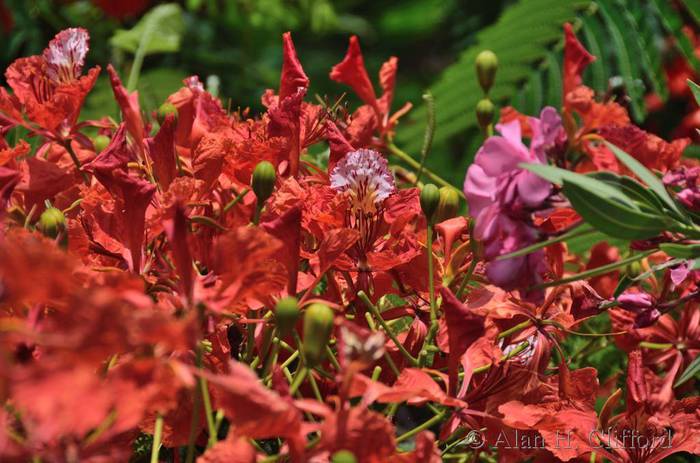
(624, 283)
(674, 24)
(692, 370)
(643, 196)
(648, 177)
(579, 231)
(593, 33)
(522, 37)
(695, 88)
(684, 251)
(159, 31)
(693, 7)
(610, 216)
(627, 66)
(559, 176)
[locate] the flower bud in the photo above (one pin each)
(484, 112)
(429, 199)
(448, 204)
(263, 181)
(318, 325)
(486, 66)
(165, 110)
(100, 142)
(286, 314)
(636, 302)
(52, 222)
(343, 456)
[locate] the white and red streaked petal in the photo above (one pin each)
(193, 83)
(364, 174)
(65, 55)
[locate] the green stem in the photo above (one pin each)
(656, 345)
(298, 379)
(580, 231)
(429, 133)
(157, 436)
(387, 329)
(515, 329)
(272, 357)
(467, 277)
(208, 411)
(256, 217)
(139, 56)
(602, 270)
(518, 349)
(76, 161)
(422, 427)
(250, 340)
(405, 157)
(236, 200)
(331, 357)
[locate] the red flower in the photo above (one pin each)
(654, 425)
(50, 88)
(376, 116)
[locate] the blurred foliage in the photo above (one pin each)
(235, 47)
(239, 41)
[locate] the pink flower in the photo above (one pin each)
(502, 197)
(642, 304)
(365, 177)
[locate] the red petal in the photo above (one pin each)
(463, 328)
(387, 80)
(293, 75)
(339, 145)
(176, 229)
(351, 71)
(576, 58)
(235, 449)
(129, 104)
(336, 242)
(161, 149)
(287, 228)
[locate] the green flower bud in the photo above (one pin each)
(486, 66)
(318, 325)
(484, 112)
(448, 204)
(52, 222)
(429, 199)
(634, 269)
(286, 314)
(100, 142)
(343, 456)
(165, 110)
(263, 181)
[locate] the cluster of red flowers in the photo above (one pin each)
(205, 284)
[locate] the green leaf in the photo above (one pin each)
(695, 88)
(521, 38)
(560, 176)
(692, 370)
(648, 177)
(610, 216)
(159, 31)
(643, 196)
(627, 66)
(673, 22)
(684, 251)
(624, 283)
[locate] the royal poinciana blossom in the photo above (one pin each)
(195, 285)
